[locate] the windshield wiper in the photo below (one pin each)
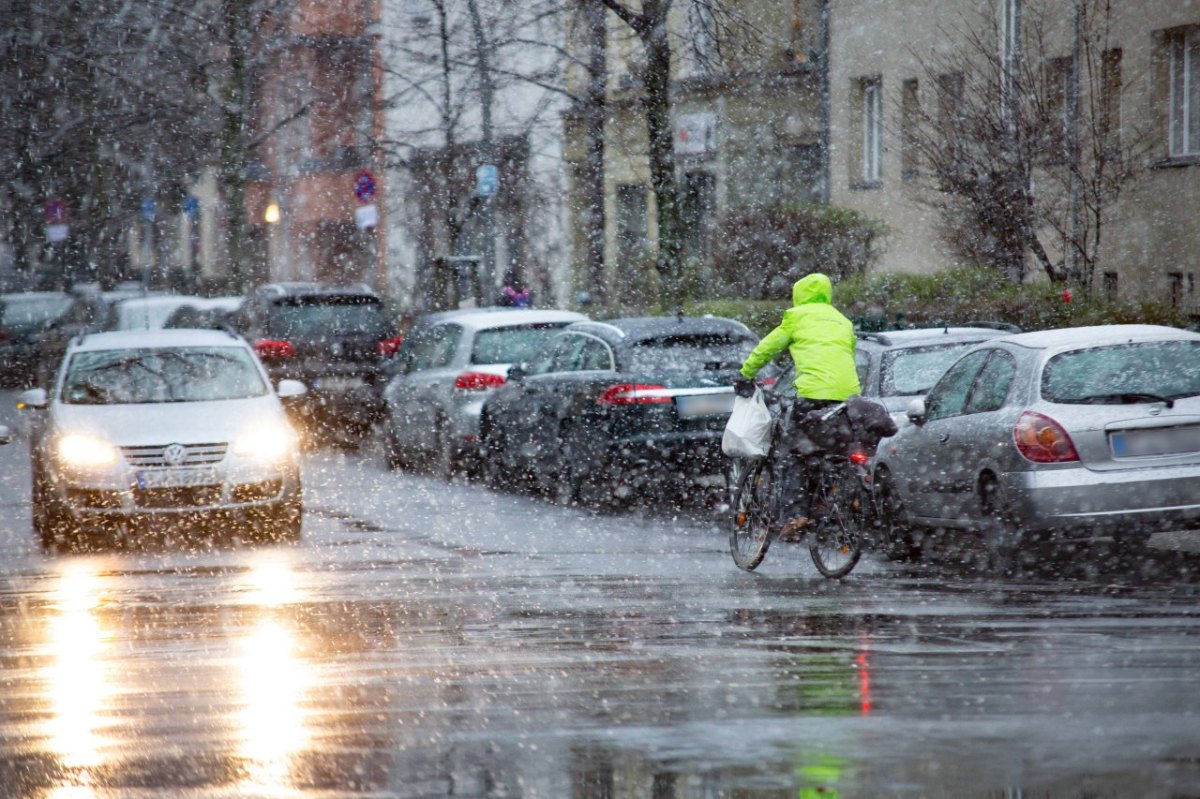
(1126, 398)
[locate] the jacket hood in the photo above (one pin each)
(812, 288)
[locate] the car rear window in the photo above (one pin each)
(24, 314)
(914, 370)
(1123, 373)
(515, 344)
(690, 353)
(175, 374)
(321, 317)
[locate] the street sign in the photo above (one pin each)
(149, 208)
(487, 180)
(364, 187)
(366, 216)
(191, 206)
(56, 212)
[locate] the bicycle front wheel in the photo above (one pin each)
(752, 529)
(839, 523)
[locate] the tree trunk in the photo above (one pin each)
(236, 18)
(592, 173)
(656, 102)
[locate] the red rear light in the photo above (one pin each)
(269, 349)
(1043, 440)
(389, 346)
(633, 394)
(768, 381)
(478, 381)
(5, 334)
(859, 457)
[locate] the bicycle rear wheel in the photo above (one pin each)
(753, 519)
(839, 521)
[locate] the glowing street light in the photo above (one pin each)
(271, 215)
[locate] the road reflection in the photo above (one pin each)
(274, 678)
(77, 676)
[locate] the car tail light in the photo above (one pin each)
(389, 346)
(859, 457)
(478, 381)
(633, 394)
(1043, 440)
(768, 381)
(269, 349)
(5, 334)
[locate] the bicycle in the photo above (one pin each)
(841, 504)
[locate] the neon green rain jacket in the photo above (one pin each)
(820, 340)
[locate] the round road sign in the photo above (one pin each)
(364, 187)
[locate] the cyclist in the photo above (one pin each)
(821, 342)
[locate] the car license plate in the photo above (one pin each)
(175, 478)
(338, 383)
(691, 406)
(1148, 443)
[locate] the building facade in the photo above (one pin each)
(1136, 86)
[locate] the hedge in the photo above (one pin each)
(888, 301)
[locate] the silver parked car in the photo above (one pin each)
(448, 365)
(1074, 432)
(162, 425)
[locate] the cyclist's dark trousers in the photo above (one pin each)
(796, 496)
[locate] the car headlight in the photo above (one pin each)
(270, 443)
(86, 451)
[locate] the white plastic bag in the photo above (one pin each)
(748, 431)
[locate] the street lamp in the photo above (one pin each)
(271, 215)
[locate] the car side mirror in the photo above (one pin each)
(288, 389)
(33, 399)
(5, 434)
(916, 411)
(516, 372)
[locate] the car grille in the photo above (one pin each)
(255, 492)
(189, 497)
(193, 455)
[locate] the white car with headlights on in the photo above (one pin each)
(167, 425)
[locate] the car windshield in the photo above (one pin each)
(914, 370)
(176, 374)
(512, 344)
(690, 353)
(24, 314)
(308, 318)
(1124, 373)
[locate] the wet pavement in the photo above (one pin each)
(427, 639)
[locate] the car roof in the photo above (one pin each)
(1075, 337)
(274, 291)
(636, 328)
(925, 336)
(157, 300)
(149, 339)
(34, 295)
(500, 316)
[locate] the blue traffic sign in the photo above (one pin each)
(149, 207)
(487, 180)
(364, 186)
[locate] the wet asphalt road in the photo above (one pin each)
(434, 640)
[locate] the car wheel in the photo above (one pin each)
(50, 520)
(1003, 537)
(491, 447)
(393, 454)
(895, 533)
(287, 520)
(567, 472)
(443, 461)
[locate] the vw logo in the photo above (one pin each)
(174, 454)
(336, 349)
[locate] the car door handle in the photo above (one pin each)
(943, 438)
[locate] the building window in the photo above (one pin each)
(872, 132)
(1111, 287)
(1110, 102)
(698, 214)
(950, 88)
(1059, 111)
(1175, 288)
(631, 222)
(1185, 93)
(910, 120)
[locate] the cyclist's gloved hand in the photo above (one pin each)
(743, 387)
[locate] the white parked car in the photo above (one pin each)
(448, 365)
(165, 424)
(152, 313)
